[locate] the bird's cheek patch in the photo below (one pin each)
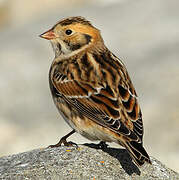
(88, 38)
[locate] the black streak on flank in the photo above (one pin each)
(107, 58)
(84, 60)
(112, 73)
(99, 59)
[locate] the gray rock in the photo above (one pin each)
(85, 162)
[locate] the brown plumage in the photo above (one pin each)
(92, 89)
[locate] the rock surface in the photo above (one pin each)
(85, 162)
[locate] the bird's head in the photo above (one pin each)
(73, 35)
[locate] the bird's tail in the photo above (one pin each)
(137, 152)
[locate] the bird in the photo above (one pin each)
(92, 90)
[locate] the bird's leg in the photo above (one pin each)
(103, 145)
(64, 141)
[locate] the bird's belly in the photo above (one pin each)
(93, 131)
(86, 127)
(64, 111)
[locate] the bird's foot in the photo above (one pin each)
(64, 141)
(103, 145)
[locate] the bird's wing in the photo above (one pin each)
(120, 113)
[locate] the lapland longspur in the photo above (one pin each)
(92, 89)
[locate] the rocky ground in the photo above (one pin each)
(143, 33)
(84, 162)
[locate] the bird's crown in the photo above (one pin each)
(74, 20)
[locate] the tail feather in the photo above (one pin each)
(137, 152)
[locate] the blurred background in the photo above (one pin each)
(145, 34)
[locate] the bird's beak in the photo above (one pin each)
(48, 35)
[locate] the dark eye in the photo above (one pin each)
(68, 31)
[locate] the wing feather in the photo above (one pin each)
(100, 105)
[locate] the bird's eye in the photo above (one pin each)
(68, 31)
